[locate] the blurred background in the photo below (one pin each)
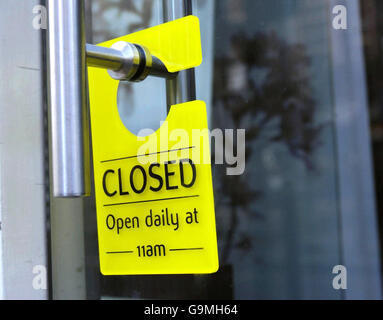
(311, 100)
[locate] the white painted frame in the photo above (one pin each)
(23, 234)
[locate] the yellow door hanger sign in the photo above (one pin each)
(154, 194)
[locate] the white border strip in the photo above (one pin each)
(358, 222)
(1, 238)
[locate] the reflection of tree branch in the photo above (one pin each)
(284, 94)
(128, 6)
(144, 14)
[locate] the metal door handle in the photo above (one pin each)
(127, 62)
(68, 56)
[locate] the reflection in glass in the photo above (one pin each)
(279, 224)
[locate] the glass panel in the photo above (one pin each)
(272, 68)
(113, 19)
(272, 72)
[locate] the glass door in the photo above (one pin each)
(303, 202)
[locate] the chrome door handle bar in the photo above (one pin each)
(68, 56)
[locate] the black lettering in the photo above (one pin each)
(120, 225)
(182, 173)
(160, 250)
(128, 221)
(104, 184)
(132, 223)
(195, 215)
(156, 176)
(169, 174)
(149, 219)
(132, 179)
(107, 223)
(189, 218)
(122, 193)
